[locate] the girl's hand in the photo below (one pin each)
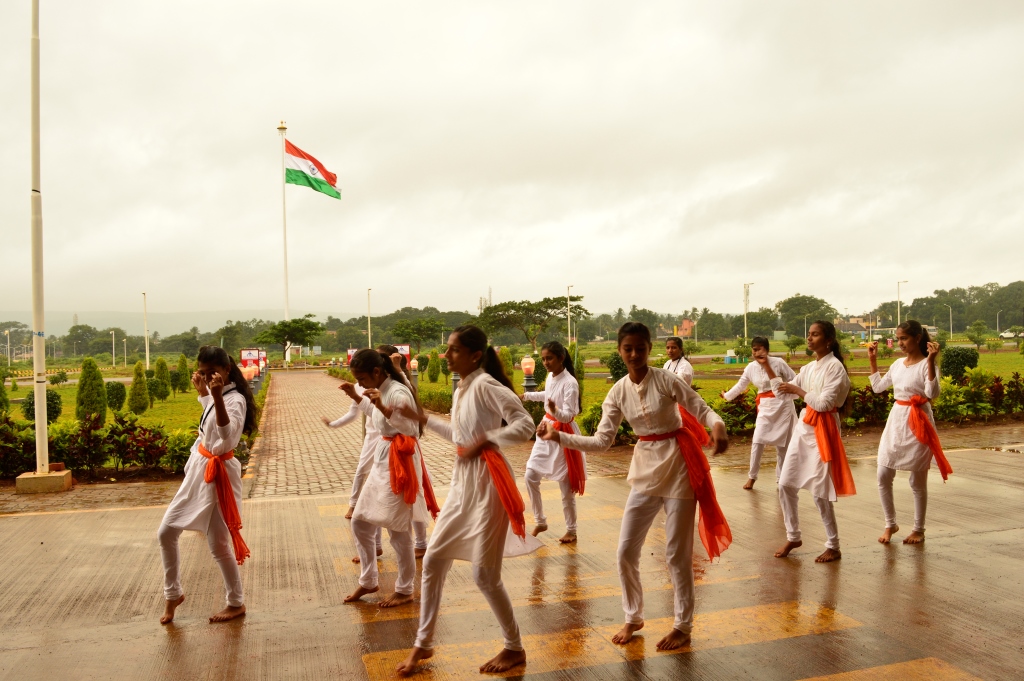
(200, 384)
(216, 385)
(761, 360)
(722, 395)
(373, 395)
(551, 407)
(790, 389)
(719, 439)
(350, 390)
(933, 351)
(477, 449)
(412, 414)
(546, 431)
(396, 359)
(326, 420)
(873, 350)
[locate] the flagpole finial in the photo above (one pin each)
(282, 127)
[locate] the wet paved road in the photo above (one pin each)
(80, 594)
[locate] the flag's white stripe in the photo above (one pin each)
(304, 166)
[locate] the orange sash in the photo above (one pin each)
(573, 458)
(714, 530)
(925, 432)
(511, 499)
(428, 491)
(215, 472)
(401, 466)
(831, 450)
(692, 425)
(763, 396)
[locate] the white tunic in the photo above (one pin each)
(681, 368)
(372, 436)
(377, 503)
(196, 500)
(899, 447)
(473, 524)
(775, 415)
(658, 468)
(547, 457)
(827, 385)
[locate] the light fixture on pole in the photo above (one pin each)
(568, 313)
(145, 326)
(528, 365)
(899, 318)
(283, 129)
(746, 305)
(7, 332)
(124, 354)
(414, 366)
(997, 321)
(369, 331)
(950, 320)
(805, 323)
(113, 351)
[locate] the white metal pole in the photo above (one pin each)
(369, 331)
(899, 318)
(950, 321)
(38, 319)
(997, 321)
(145, 325)
(283, 129)
(113, 351)
(124, 355)
(568, 312)
(746, 306)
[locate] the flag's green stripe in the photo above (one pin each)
(293, 176)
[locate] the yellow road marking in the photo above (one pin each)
(580, 648)
(925, 669)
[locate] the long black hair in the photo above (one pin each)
(475, 340)
(915, 330)
(390, 351)
(759, 340)
(634, 329)
(367, 359)
(559, 351)
(829, 330)
(218, 357)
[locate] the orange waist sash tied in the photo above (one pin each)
(573, 458)
(217, 474)
(402, 468)
(714, 530)
(925, 433)
(831, 449)
(763, 396)
(691, 424)
(511, 499)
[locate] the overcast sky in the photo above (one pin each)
(657, 153)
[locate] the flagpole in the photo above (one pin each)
(38, 319)
(284, 225)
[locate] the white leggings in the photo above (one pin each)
(362, 470)
(533, 479)
(637, 518)
(219, 539)
(789, 500)
(918, 485)
(756, 450)
(488, 580)
(365, 535)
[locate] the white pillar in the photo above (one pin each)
(38, 318)
(369, 331)
(145, 325)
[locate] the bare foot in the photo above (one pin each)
(380, 552)
(169, 608)
(537, 529)
(829, 556)
(348, 516)
(750, 484)
(420, 553)
(568, 538)
(359, 593)
(504, 661)
(914, 537)
(789, 546)
(674, 639)
(626, 633)
(408, 665)
(888, 533)
(228, 613)
(395, 599)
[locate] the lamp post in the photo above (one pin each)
(899, 302)
(369, 332)
(568, 313)
(414, 366)
(124, 355)
(113, 350)
(7, 332)
(145, 324)
(746, 305)
(528, 365)
(950, 321)
(805, 323)
(997, 322)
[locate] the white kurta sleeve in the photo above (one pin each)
(880, 383)
(784, 371)
(611, 418)
(519, 426)
(931, 388)
(828, 398)
(351, 415)
(440, 426)
(688, 398)
(538, 396)
(741, 385)
(570, 406)
(685, 372)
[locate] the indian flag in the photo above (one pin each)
(301, 168)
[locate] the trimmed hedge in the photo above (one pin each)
(956, 360)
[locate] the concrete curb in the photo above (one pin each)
(252, 468)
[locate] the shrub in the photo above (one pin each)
(956, 360)
(138, 394)
(793, 342)
(1014, 397)
(540, 372)
(184, 375)
(434, 369)
(82, 445)
(505, 356)
(131, 443)
(436, 399)
(739, 415)
(338, 372)
(157, 389)
(949, 405)
(59, 378)
(5, 404)
(978, 333)
(885, 351)
(116, 394)
(942, 337)
(179, 448)
(163, 373)
(742, 349)
(976, 391)
(692, 348)
(997, 395)
(92, 394)
(580, 368)
(54, 406)
(589, 420)
(994, 345)
(17, 447)
(616, 366)
(150, 373)
(14, 385)
(869, 406)
(423, 363)
(445, 370)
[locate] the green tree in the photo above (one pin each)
(616, 366)
(116, 394)
(416, 331)
(5, 404)
(794, 309)
(138, 394)
(157, 390)
(163, 373)
(184, 374)
(978, 333)
(434, 369)
(794, 342)
(445, 369)
(646, 317)
(505, 355)
(1018, 334)
(59, 378)
(291, 332)
(92, 394)
(531, 318)
(54, 406)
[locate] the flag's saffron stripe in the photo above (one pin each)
(293, 150)
(293, 176)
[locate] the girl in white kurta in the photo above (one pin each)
(474, 523)
(561, 396)
(676, 363)
(665, 474)
(824, 385)
(380, 505)
(775, 413)
(915, 381)
(210, 497)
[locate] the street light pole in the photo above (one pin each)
(145, 324)
(997, 322)
(568, 312)
(113, 351)
(124, 355)
(746, 305)
(898, 302)
(7, 333)
(369, 330)
(805, 323)
(950, 321)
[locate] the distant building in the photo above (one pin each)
(851, 327)
(685, 328)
